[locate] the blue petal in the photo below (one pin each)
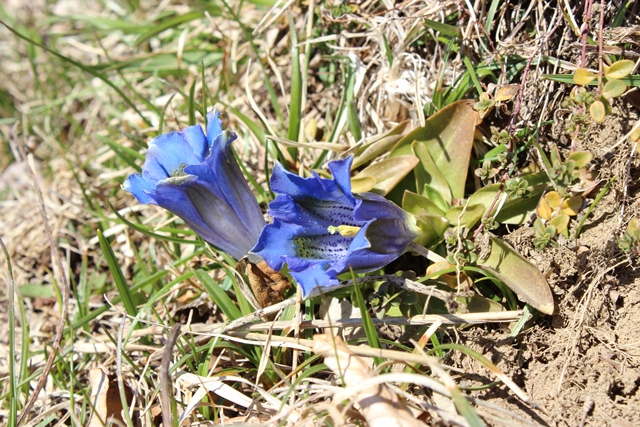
(310, 211)
(213, 220)
(341, 171)
(214, 126)
(362, 258)
(169, 153)
(310, 275)
(140, 188)
(276, 243)
(371, 205)
(284, 182)
(222, 176)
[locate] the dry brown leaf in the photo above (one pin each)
(105, 398)
(507, 92)
(267, 285)
(379, 405)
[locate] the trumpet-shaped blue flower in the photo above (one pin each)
(196, 177)
(321, 229)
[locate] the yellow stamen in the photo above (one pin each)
(344, 230)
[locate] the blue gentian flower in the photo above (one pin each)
(321, 229)
(198, 179)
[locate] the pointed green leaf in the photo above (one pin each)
(362, 183)
(432, 228)
(435, 196)
(518, 210)
(560, 222)
(448, 135)
(519, 275)
(380, 145)
(218, 295)
(479, 304)
(389, 172)
(416, 204)
(118, 277)
(472, 214)
(428, 173)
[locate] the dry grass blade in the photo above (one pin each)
(420, 319)
(62, 280)
(380, 406)
(165, 379)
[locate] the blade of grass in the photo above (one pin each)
(192, 103)
(13, 387)
(632, 80)
(296, 89)
(108, 82)
(465, 409)
(267, 81)
(472, 73)
(128, 155)
(218, 295)
(204, 93)
(118, 276)
(450, 31)
(354, 123)
(146, 232)
(491, 13)
(159, 27)
(599, 197)
(367, 323)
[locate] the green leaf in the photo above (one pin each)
(620, 69)
(597, 111)
(295, 109)
(479, 304)
(367, 324)
(388, 172)
(581, 158)
(362, 184)
(448, 135)
(614, 88)
(519, 275)
(472, 214)
(428, 173)
(560, 222)
(518, 210)
(465, 409)
(416, 204)
(380, 145)
(174, 21)
(433, 194)
(583, 76)
(444, 29)
(632, 80)
(118, 277)
(432, 228)
(35, 290)
(218, 295)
